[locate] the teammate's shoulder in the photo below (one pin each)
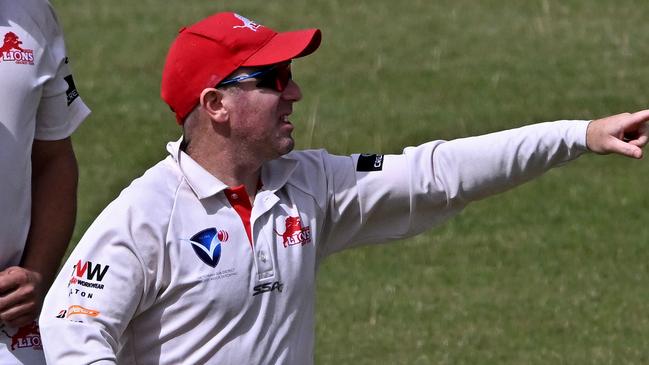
(29, 13)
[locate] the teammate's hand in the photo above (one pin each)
(624, 134)
(21, 296)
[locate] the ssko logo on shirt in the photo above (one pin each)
(11, 51)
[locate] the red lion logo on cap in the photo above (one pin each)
(294, 234)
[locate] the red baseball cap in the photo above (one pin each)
(205, 53)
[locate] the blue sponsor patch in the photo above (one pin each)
(207, 245)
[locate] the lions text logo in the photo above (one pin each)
(207, 245)
(294, 234)
(25, 336)
(247, 23)
(12, 52)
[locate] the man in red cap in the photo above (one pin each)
(211, 256)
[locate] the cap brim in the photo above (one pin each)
(286, 46)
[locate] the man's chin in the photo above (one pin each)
(288, 148)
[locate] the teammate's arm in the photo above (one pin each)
(54, 186)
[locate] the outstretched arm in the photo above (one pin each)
(428, 184)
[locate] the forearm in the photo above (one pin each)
(430, 183)
(54, 189)
(477, 167)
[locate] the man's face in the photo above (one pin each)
(259, 116)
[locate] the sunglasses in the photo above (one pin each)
(275, 77)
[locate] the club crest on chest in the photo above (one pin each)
(294, 232)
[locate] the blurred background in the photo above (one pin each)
(554, 272)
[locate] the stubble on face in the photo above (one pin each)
(258, 123)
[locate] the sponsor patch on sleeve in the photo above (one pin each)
(71, 92)
(79, 310)
(369, 162)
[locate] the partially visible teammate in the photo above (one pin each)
(39, 110)
(211, 256)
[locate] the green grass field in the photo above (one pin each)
(554, 272)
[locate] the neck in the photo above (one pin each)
(230, 167)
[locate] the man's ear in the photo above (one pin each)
(212, 102)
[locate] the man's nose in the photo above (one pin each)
(292, 91)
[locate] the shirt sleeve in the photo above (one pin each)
(374, 198)
(99, 289)
(60, 110)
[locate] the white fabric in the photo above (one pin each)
(158, 303)
(33, 105)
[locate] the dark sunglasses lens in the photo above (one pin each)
(283, 76)
(275, 79)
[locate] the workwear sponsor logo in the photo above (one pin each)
(268, 287)
(25, 336)
(91, 272)
(294, 233)
(75, 281)
(369, 162)
(207, 245)
(247, 23)
(11, 51)
(79, 310)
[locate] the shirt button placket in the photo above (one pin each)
(265, 239)
(264, 262)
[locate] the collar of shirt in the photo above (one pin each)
(274, 173)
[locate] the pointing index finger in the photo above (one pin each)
(638, 118)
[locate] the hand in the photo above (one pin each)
(21, 296)
(624, 134)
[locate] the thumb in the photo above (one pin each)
(623, 148)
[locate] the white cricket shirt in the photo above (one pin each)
(180, 269)
(38, 100)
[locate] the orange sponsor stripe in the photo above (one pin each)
(77, 309)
